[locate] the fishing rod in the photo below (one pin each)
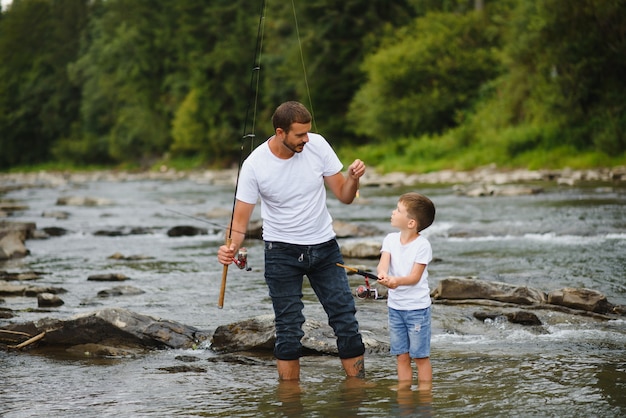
(242, 256)
(363, 292)
(253, 99)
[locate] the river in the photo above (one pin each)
(566, 236)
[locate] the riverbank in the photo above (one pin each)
(484, 175)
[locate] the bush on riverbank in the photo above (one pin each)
(426, 154)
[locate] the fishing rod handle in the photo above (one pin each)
(220, 302)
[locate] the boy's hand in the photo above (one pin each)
(388, 281)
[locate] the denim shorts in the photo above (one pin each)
(409, 332)
(285, 268)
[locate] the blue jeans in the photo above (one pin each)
(285, 267)
(409, 332)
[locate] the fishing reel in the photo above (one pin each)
(364, 292)
(242, 259)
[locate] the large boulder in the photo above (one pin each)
(49, 300)
(347, 230)
(111, 328)
(12, 246)
(581, 298)
(12, 238)
(516, 317)
(361, 249)
(259, 334)
(457, 288)
(24, 229)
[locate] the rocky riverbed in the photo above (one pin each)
(516, 255)
(482, 182)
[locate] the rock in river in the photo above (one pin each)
(107, 331)
(258, 334)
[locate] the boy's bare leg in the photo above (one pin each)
(288, 369)
(354, 367)
(424, 369)
(405, 368)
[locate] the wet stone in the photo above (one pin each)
(110, 277)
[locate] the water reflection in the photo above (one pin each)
(414, 401)
(353, 396)
(289, 394)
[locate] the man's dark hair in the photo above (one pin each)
(288, 113)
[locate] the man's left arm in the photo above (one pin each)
(344, 187)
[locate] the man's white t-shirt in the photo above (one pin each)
(292, 191)
(403, 257)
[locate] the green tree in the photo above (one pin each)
(423, 7)
(120, 73)
(425, 76)
(335, 38)
(215, 45)
(97, 81)
(565, 63)
(38, 38)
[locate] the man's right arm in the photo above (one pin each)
(241, 217)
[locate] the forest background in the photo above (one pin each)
(406, 85)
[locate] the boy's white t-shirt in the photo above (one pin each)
(403, 257)
(292, 191)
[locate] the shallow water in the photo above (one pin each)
(564, 237)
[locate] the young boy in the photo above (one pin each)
(403, 269)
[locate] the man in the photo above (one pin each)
(289, 173)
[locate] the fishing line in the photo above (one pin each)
(255, 77)
(253, 99)
(306, 80)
